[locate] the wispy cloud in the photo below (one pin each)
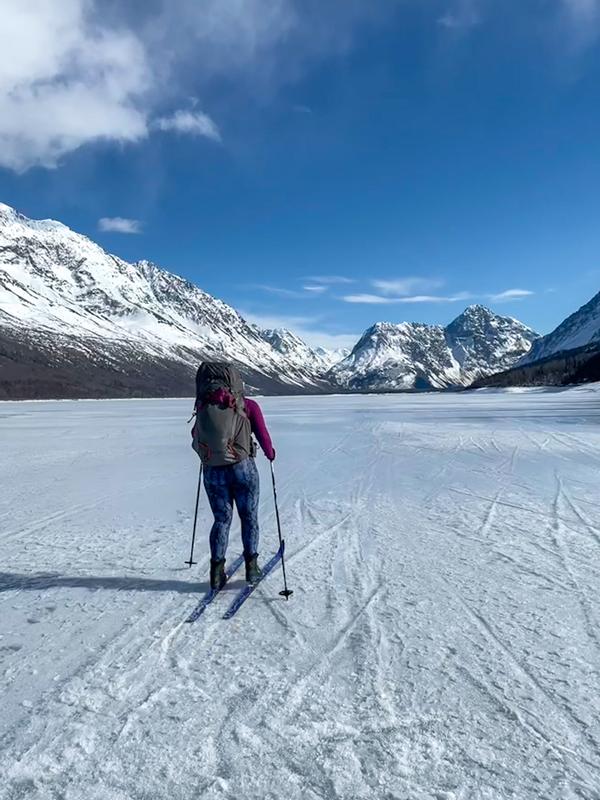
(193, 123)
(297, 294)
(583, 22)
(369, 299)
(331, 280)
(405, 286)
(309, 329)
(119, 225)
(582, 9)
(375, 299)
(315, 289)
(396, 293)
(510, 294)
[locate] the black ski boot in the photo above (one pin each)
(253, 571)
(218, 578)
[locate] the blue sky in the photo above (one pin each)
(319, 165)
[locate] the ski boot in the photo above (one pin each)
(253, 571)
(218, 578)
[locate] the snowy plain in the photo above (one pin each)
(443, 641)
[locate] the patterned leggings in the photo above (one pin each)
(225, 485)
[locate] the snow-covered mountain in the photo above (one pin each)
(76, 321)
(61, 292)
(332, 357)
(418, 356)
(580, 329)
(298, 354)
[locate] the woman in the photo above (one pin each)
(225, 424)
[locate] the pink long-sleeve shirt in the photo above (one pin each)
(259, 428)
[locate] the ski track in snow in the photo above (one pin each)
(442, 643)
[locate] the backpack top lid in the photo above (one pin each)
(214, 375)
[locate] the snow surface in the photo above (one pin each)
(443, 641)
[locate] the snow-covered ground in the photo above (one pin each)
(443, 640)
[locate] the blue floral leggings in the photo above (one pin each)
(237, 483)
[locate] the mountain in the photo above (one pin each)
(579, 330)
(332, 357)
(568, 355)
(565, 368)
(409, 356)
(77, 321)
(297, 353)
(482, 341)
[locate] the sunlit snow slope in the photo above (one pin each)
(578, 330)
(443, 640)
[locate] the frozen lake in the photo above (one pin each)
(443, 641)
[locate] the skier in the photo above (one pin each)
(222, 437)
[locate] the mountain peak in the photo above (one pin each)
(477, 311)
(8, 214)
(481, 317)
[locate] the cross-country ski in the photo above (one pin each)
(245, 593)
(214, 591)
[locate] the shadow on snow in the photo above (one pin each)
(9, 581)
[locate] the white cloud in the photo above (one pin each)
(375, 299)
(280, 292)
(386, 299)
(194, 123)
(76, 72)
(331, 280)
(65, 80)
(315, 289)
(405, 286)
(120, 225)
(510, 294)
(369, 299)
(307, 328)
(297, 294)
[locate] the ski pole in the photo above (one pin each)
(285, 592)
(191, 561)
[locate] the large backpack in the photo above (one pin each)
(222, 433)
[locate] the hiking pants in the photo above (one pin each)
(225, 485)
